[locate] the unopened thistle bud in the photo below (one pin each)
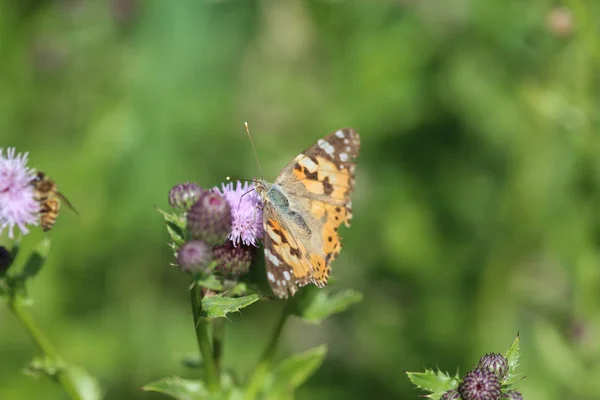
(480, 384)
(194, 257)
(184, 195)
(209, 219)
(495, 363)
(233, 261)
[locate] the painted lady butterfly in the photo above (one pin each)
(303, 209)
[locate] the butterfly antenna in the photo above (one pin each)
(254, 149)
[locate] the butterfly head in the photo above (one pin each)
(260, 186)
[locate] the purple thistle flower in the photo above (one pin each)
(18, 206)
(246, 223)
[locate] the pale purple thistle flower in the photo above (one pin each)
(246, 212)
(17, 203)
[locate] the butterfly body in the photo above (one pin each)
(303, 209)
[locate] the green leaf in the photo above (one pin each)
(295, 370)
(175, 219)
(512, 355)
(434, 382)
(85, 385)
(219, 306)
(181, 389)
(558, 356)
(177, 235)
(315, 304)
(36, 260)
(209, 282)
(192, 361)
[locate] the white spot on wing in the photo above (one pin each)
(346, 141)
(272, 258)
(271, 276)
(344, 157)
(326, 146)
(340, 134)
(286, 275)
(309, 164)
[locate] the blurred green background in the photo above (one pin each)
(476, 205)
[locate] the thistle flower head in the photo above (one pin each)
(18, 206)
(233, 261)
(184, 195)
(209, 219)
(246, 213)
(480, 384)
(495, 363)
(194, 256)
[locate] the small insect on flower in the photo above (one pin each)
(246, 213)
(49, 198)
(18, 206)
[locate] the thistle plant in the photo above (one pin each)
(215, 234)
(492, 379)
(19, 210)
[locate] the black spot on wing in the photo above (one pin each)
(327, 186)
(310, 175)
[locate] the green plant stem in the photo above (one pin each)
(19, 310)
(218, 337)
(257, 378)
(202, 327)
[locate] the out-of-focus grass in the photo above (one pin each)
(476, 206)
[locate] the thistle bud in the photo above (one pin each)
(233, 261)
(209, 219)
(184, 195)
(480, 384)
(495, 363)
(194, 257)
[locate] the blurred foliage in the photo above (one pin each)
(476, 206)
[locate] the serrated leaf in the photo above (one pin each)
(36, 260)
(512, 355)
(436, 383)
(176, 219)
(316, 304)
(176, 234)
(178, 388)
(219, 306)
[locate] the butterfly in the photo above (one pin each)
(303, 210)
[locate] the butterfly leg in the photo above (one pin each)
(253, 217)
